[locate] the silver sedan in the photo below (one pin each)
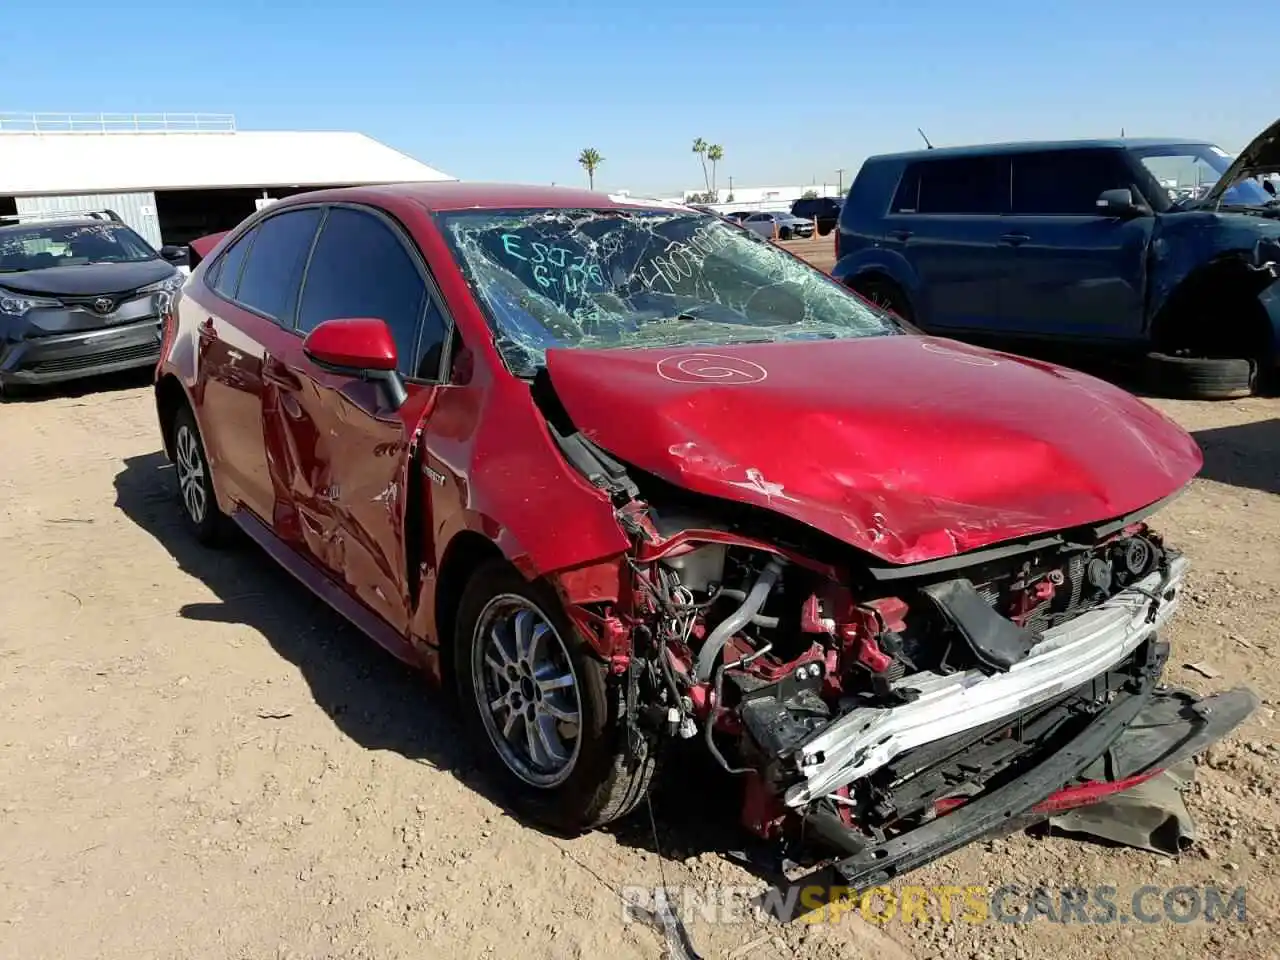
(780, 223)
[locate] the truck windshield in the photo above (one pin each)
(645, 278)
(1188, 171)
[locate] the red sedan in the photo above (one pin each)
(625, 473)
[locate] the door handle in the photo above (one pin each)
(902, 235)
(1014, 239)
(275, 372)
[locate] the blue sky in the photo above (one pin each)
(505, 90)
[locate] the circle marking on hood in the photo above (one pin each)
(710, 368)
(958, 356)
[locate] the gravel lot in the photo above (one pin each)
(198, 760)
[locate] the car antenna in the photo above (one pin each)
(924, 138)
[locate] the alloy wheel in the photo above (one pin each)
(191, 474)
(527, 691)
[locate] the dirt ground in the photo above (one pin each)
(198, 760)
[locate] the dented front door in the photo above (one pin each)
(340, 462)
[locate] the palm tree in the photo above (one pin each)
(590, 159)
(715, 153)
(700, 148)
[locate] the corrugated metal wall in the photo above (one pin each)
(138, 210)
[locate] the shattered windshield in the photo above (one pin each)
(69, 245)
(644, 278)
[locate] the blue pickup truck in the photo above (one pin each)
(1163, 249)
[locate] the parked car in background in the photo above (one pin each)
(1080, 244)
(627, 475)
(737, 215)
(80, 294)
(776, 223)
(825, 210)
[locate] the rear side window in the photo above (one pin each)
(1066, 183)
(907, 197)
(360, 268)
(226, 272)
(273, 272)
(973, 186)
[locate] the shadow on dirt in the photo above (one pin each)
(1246, 455)
(107, 383)
(374, 699)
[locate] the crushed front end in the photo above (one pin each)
(889, 715)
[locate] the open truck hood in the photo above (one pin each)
(909, 448)
(1262, 156)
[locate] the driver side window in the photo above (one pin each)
(361, 268)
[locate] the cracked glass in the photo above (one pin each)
(620, 278)
(41, 247)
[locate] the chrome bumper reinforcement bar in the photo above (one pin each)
(1069, 654)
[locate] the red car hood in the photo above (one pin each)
(909, 448)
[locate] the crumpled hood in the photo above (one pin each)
(1261, 156)
(87, 279)
(909, 448)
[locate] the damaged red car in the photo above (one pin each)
(625, 474)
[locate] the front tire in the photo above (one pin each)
(536, 700)
(195, 481)
(1201, 378)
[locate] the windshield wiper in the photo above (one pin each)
(14, 269)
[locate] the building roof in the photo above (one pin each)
(36, 164)
(988, 149)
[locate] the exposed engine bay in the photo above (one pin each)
(774, 653)
(864, 705)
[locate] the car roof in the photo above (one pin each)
(36, 222)
(1023, 146)
(466, 195)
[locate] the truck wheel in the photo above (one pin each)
(537, 701)
(195, 481)
(1201, 378)
(885, 294)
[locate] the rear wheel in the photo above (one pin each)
(195, 480)
(1201, 378)
(538, 702)
(885, 294)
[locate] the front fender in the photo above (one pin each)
(1270, 300)
(497, 472)
(1185, 243)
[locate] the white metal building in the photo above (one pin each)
(762, 198)
(174, 177)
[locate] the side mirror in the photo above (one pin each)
(173, 253)
(358, 347)
(1119, 203)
